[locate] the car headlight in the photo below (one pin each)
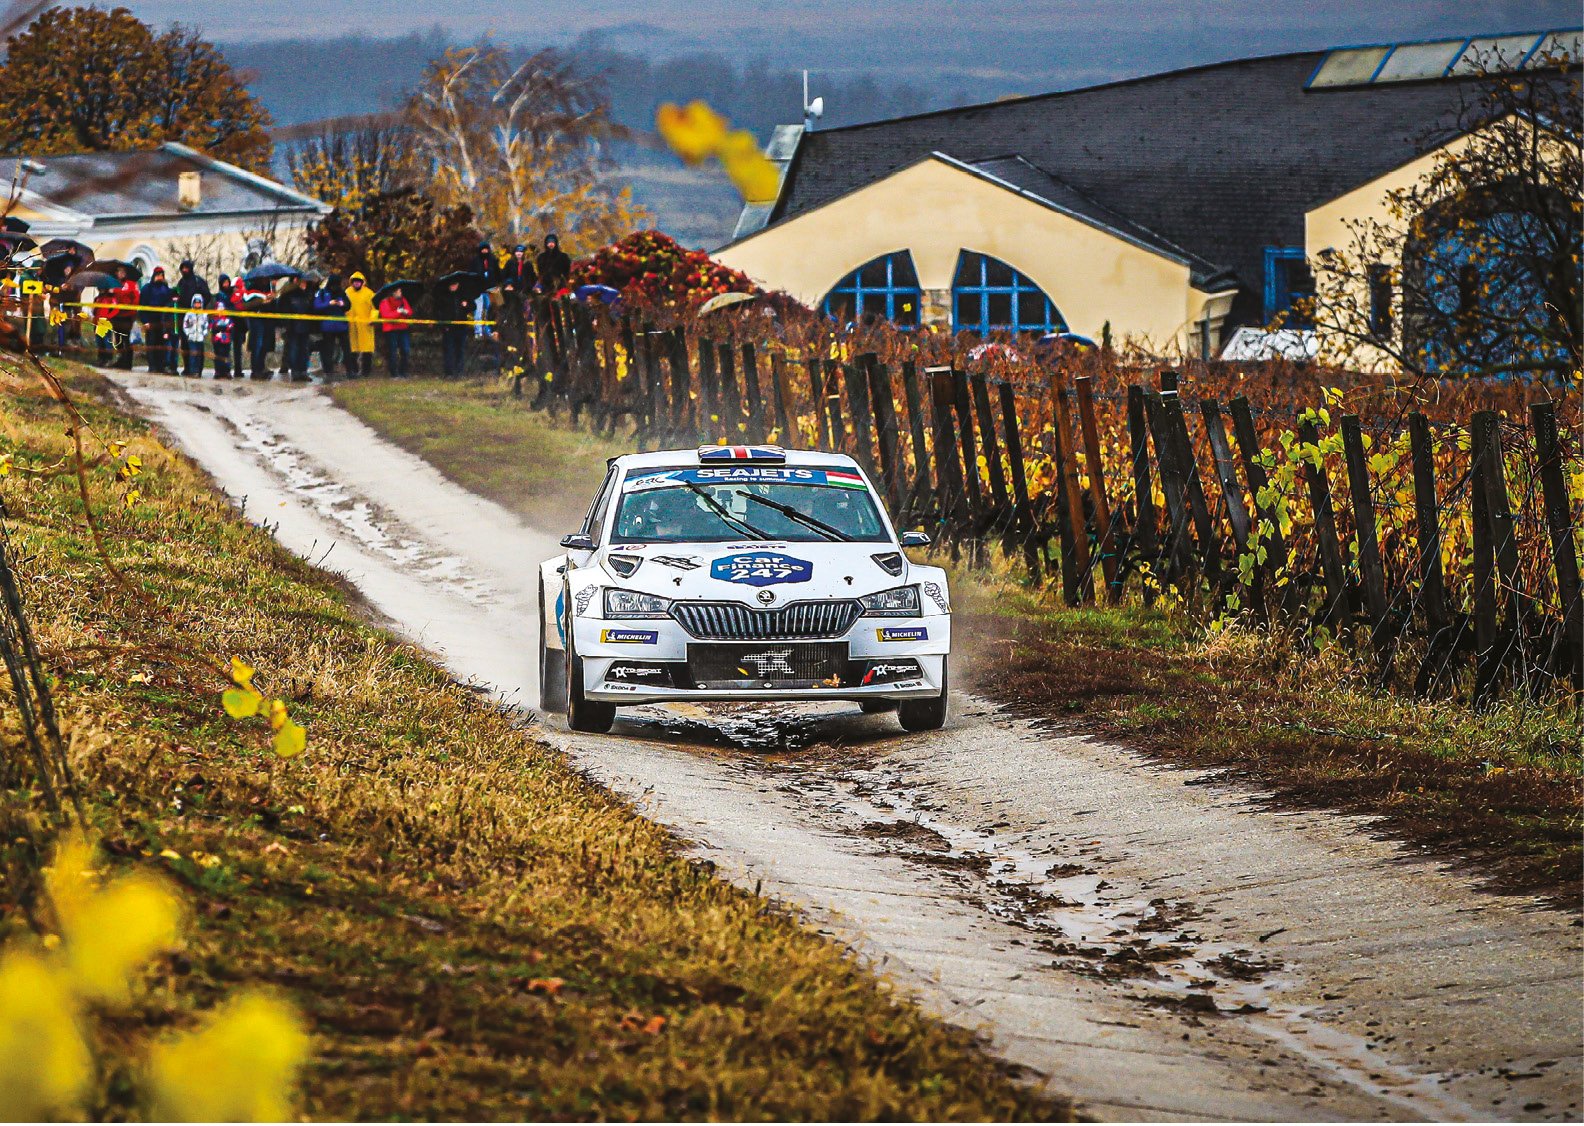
(635, 604)
(898, 602)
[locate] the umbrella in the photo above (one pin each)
(12, 223)
(270, 271)
(608, 294)
(15, 240)
(59, 267)
(406, 285)
(1052, 339)
(469, 284)
(56, 246)
(91, 279)
(111, 265)
(721, 300)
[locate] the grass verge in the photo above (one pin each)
(472, 929)
(1499, 789)
(475, 433)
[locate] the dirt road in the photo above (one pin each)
(1157, 943)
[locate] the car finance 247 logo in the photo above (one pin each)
(761, 568)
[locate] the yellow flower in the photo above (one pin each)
(239, 1066)
(44, 1064)
(693, 133)
(109, 931)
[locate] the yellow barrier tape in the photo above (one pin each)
(177, 311)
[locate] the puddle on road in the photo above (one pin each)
(1150, 947)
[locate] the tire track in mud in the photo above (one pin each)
(1157, 949)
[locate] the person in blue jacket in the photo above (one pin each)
(331, 300)
(157, 326)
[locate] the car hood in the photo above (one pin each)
(790, 572)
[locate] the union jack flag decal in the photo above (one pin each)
(741, 453)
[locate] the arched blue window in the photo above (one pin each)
(987, 294)
(886, 288)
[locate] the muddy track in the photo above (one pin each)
(1156, 942)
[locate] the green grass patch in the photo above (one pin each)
(475, 433)
(472, 929)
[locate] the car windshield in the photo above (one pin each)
(719, 505)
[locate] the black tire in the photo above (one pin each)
(583, 714)
(552, 667)
(928, 714)
(875, 707)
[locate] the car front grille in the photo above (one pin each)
(800, 621)
(769, 665)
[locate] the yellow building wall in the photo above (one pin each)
(934, 211)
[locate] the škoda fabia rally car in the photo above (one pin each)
(740, 573)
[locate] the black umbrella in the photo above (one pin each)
(408, 287)
(469, 284)
(270, 271)
(56, 246)
(12, 223)
(111, 265)
(91, 279)
(59, 267)
(15, 241)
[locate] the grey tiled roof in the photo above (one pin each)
(1220, 161)
(86, 182)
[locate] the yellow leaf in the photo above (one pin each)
(242, 673)
(290, 740)
(756, 177)
(694, 132)
(45, 1067)
(239, 1066)
(240, 703)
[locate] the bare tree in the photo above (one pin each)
(1475, 270)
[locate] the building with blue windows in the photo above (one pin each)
(1178, 208)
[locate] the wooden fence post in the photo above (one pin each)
(856, 378)
(1179, 534)
(1095, 462)
(730, 398)
(884, 410)
(948, 470)
(1231, 495)
(1144, 519)
(838, 431)
(783, 420)
(1072, 490)
(1193, 489)
(750, 375)
(1486, 435)
(1432, 581)
(920, 488)
(1275, 544)
(709, 407)
(817, 403)
(1559, 522)
(1370, 571)
(1023, 512)
(1319, 484)
(965, 436)
(991, 450)
(1487, 660)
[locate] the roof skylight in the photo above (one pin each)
(1443, 58)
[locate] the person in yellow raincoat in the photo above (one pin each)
(361, 317)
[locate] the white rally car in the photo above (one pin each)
(740, 573)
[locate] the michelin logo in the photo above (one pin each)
(628, 637)
(903, 633)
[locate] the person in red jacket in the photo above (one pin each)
(393, 314)
(126, 298)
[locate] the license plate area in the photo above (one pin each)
(769, 664)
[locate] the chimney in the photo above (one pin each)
(189, 190)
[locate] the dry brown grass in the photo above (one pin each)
(473, 929)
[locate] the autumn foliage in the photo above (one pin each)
(89, 80)
(393, 235)
(653, 271)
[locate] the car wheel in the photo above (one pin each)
(875, 707)
(928, 714)
(583, 714)
(552, 666)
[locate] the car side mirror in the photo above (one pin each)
(579, 541)
(915, 539)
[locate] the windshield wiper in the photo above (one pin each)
(722, 512)
(801, 517)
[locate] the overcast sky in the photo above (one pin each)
(1025, 41)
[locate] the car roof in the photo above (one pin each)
(673, 458)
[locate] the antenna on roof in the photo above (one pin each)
(812, 111)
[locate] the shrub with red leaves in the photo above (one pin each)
(653, 271)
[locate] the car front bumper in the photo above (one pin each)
(645, 661)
